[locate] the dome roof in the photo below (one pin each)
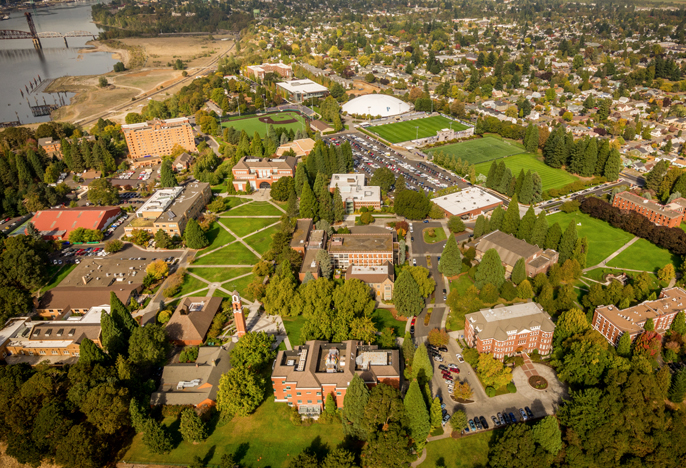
(376, 104)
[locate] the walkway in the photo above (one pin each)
(528, 367)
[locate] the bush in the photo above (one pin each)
(570, 206)
(490, 391)
(114, 245)
(471, 355)
(164, 316)
(189, 354)
(511, 387)
(102, 81)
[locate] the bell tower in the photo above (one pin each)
(238, 317)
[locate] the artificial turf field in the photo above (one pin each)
(253, 124)
(479, 150)
(404, 131)
(551, 177)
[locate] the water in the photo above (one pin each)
(20, 63)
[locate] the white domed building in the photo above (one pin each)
(376, 105)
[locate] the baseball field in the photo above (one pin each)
(259, 123)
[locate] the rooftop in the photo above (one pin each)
(361, 243)
(501, 322)
(508, 247)
(467, 200)
(302, 86)
(649, 204)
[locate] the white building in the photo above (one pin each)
(468, 203)
(302, 90)
(355, 193)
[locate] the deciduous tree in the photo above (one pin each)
(241, 391)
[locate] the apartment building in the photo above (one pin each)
(613, 322)
(355, 193)
(304, 376)
(170, 209)
(364, 249)
(512, 249)
(148, 141)
(514, 329)
(261, 172)
(670, 216)
(259, 71)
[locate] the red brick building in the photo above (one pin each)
(58, 223)
(261, 172)
(612, 322)
(304, 376)
(670, 216)
(514, 329)
(259, 71)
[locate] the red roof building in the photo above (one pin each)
(58, 223)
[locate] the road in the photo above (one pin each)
(599, 190)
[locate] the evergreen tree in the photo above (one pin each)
(538, 187)
(519, 271)
(490, 178)
(167, 177)
(436, 413)
(300, 178)
(406, 295)
(324, 261)
(505, 181)
(677, 392)
(90, 353)
(256, 148)
(354, 402)
(613, 166)
(111, 337)
(590, 158)
(567, 243)
(192, 428)
(417, 415)
(326, 210)
(308, 203)
(339, 210)
(531, 138)
(480, 226)
(490, 270)
(138, 415)
(552, 238)
(519, 182)
(678, 324)
(624, 345)
(554, 150)
(121, 316)
(497, 218)
(451, 260)
(36, 164)
(422, 369)
(155, 438)
(499, 173)
(511, 220)
(526, 225)
(603, 154)
(408, 349)
(194, 235)
(576, 157)
(540, 230)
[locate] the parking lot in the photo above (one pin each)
(370, 155)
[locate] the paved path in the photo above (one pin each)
(528, 366)
(221, 266)
(612, 255)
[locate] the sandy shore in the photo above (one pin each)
(121, 55)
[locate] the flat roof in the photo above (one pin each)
(361, 243)
(302, 86)
(466, 200)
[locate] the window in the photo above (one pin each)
(298, 393)
(338, 393)
(319, 393)
(42, 352)
(300, 401)
(289, 396)
(288, 387)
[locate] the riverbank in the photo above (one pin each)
(132, 56)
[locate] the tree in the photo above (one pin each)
(613, 166)
(412, 205)
(568, 243)
(462, 390)
(240, 392)
(303, 460)
(107, 408)
(90, 353)
(79, 449)
(388, 447)
(624, 345)
(339, 209)
(408, 349)
(156, 438)
(438, 337)
(455, 224)
(526, 225)
(102, 82)
(679, 323)
(516, 449)
(458, 421)
(422, 369)
(451, 260)
(407, 296)
(666, 273)
(384, 178)
(308, 203)
(113, 246)
(324, 261)
(148, 345)
(677, 391)
(280, 291)
(300, 177)
(137, 414)
(282, 188)
(418, 416)
(436, 413)
(194, 236)
(490, 270)
(497, 218)
(492, 372)
(254, 351)
(519, 271)
(570, 323)
(511, 220)
(354, 402)
(192, 428)
(547, 434)
(101, 192)
(552, 238)
(157, 269)
(480, 227)
(167, 177)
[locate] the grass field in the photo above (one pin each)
(57, 275)
(383, 319)
(234, 254)
(468, 452)
(252, 124)
(262, 240)
(439, 235)
(217, 236)
(479, 150)
(191, 284)
(643, 255)
(404, 131)
(240, 285)
(603, 239)
(219, 275)
(254, 209)
(293, 325)
(244, 226)
(551, 177)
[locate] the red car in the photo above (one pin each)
(414, 320)
(457, 371)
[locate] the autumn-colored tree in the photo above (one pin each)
(158, 269)
(492, 372)
(438, 337)
(462, 391)
(648, 344)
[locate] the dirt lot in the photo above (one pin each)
(194, 51)
(362, 87)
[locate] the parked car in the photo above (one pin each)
(502, 420)
(438, 358)
(506, 417)
(472, 426)
(443, 367)
(455, 370)
(459, 357)
(446, 418)
(512, 418)
(483, 422)
(478, 424)
(524, 415)
(496, 421)
(529, 412)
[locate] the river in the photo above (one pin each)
(20, 63)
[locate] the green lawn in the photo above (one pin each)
(383, 319)
(643, 255)
(404, 131)
(467, 452)
(439, 235)
(234, 202)
(259, 208)
(240, 285)
(219, 275)
(598, 273)
(551, 177)
(244, 226)
(603, 239)
(479, 150)
(462, 283)
(234, 254)
(252, 124)
(217, 236)
(191, 284)
(266, 438)
(293, 326)
(262, 240)
(57, 276)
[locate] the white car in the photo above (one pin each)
(459, 357)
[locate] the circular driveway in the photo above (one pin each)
(551, 397)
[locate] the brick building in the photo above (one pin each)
(364, 249)
(355, 193)
(505, 331)
(670, 216)
(468, 203)
(58, 223)
(51, 147)
(512, 249)
(261, 172)
(612, 322)
(304, 376)
(379, 278)
(170, 209)
(259, 71)
(148, 141)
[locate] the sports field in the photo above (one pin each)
(479, 150)
(287, 120)
(551, 177)
(404, 131)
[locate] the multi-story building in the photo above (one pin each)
(304, 376)
(300, 147)
(355, 193)
(58, 223)
(148, 141)
(259, 71)
(261, 172)
(191, 320)
(670, 216)
(612, 322)
(468, 203)
(514, 329)
(512, 249)
(170, 209)
(51, 147)
(379, 278)
(302, 90)
(368, 249)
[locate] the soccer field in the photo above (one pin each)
(287, 120)
(478, 150)
(551, 177)
(404, 131)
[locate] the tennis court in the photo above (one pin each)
(288, 120)
(479, 150)
(412, 129)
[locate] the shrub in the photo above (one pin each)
(570, 206)
(471, 355)
(511, 387)
(164, 316)
(490, 391)
(114, 245)
(189, 354)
